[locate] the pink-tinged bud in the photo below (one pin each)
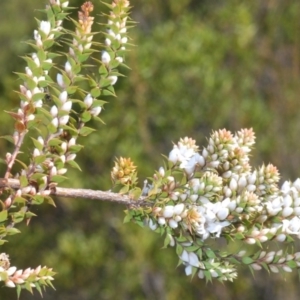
(95, 111)
(60, 80)
(63, 120)
(55, 122)
(67, 106)
(54, 111)
(10, 284)
(256, 266)
(26, 190)
(63, 97)
(18, 193)
(113, 79)
(71, 156)
(68, 67)
(7, 202)
(105, 57)
(32, 191)
(46, 193)
(53, 171)
(250, 241)
(88, 100)
(23, 89)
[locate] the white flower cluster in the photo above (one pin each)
(223, 196)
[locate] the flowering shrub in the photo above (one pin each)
(214, 193)
(200, 195)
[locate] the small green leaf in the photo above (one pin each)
(74, 164)
(58, 178)
(85, 131)
(37, 199)
(3, 215)
(247, 260)
(12, 231)
(8, 138)
(23, 181)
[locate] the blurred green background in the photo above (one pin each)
(197, 66)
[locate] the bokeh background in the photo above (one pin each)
(198, 66)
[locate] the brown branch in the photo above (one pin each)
(81, 193)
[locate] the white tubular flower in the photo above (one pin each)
(65, 4)
(68, 67)
(119, 59)
(55, 122)
(113, 79)
(54, 111)
(63, 97)
(105, 57)
(152, 224)
(67, 106)
(63, 120)
(168, 211)
(178, 209)
(88, 100)
(28, 71)
(107, 42)
(45, 26)
(95, 111)
(60, 80)
(36, 59)
(71, 156)
(72, 142)
(124, 40)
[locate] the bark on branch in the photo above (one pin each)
(81, 193)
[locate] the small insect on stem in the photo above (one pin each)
(47, 97)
